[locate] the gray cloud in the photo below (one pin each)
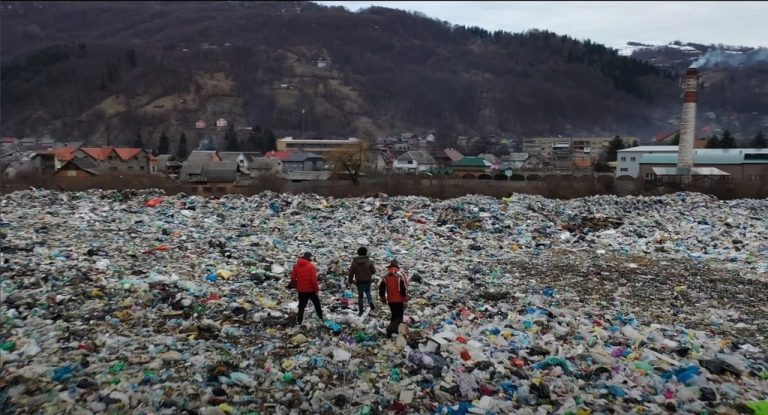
(611, 23)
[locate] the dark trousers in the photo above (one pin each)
(397, 309)
(363, 289)
(303, 299)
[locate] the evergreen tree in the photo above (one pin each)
(102, 84)
(758, 141)
(138, 142)
(713, 142)
(181, 151)
(727, 140)
(635, 143)
(254, 141)
(676, 139)
(163, 146)
(230, 139)
(611, 153)
(270, 141)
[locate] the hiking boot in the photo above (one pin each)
(372, 307)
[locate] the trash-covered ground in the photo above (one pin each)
(143, 303)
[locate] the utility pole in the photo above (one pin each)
(302, 123)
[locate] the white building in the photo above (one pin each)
(221, 123)
(414, 161)
(628, 159)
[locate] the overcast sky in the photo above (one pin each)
(611, 23)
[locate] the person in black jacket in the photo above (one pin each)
(361, 273)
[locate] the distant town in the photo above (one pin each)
(314, 159)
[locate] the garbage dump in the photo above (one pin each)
(146, 303)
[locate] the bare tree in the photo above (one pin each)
(351, 161)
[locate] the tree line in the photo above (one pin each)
(259, 140)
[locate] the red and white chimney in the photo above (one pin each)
(690, 87)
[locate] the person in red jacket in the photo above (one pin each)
(393, 290)
(304, 278)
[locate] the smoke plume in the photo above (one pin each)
(731, 58)
(206, 144)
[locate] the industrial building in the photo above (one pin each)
(316, 145)
(731, 164)
(628, 159)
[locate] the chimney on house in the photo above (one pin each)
(690, 86)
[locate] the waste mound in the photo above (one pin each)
(139, 302)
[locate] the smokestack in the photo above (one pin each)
(690, 86)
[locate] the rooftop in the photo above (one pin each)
(650, 148)
(280, 155)
(472, 162)
(713, 156)
(696, 171)
(84, 164)
(302, 156)
(230, 155)
(515, 157)
(324, 140)
(202, 155)
(421, 157)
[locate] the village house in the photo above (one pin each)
(193, 169)
(208, 170)
(522, 161)
(221, 124)
(490, 158)
(203, 155)
(244, 159)
(280, 154)
(166, 164)
(105, 160)
(15, 163)
(472, 168)
(200, 124)
(414, 161)
(263, 166)
(78, 167)
(445, 157)
(303, 161)
(380, 159)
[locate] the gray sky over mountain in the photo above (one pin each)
(611, 23)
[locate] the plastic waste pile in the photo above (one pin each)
(140, 302)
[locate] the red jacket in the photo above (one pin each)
(394, 286)
(304, 276)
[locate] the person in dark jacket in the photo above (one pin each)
(393, 290)
(304, 278)
(361, 273)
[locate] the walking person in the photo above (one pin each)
(304, 279)
(393, 290)
(361, 273)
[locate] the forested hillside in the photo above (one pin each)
(88, 70)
